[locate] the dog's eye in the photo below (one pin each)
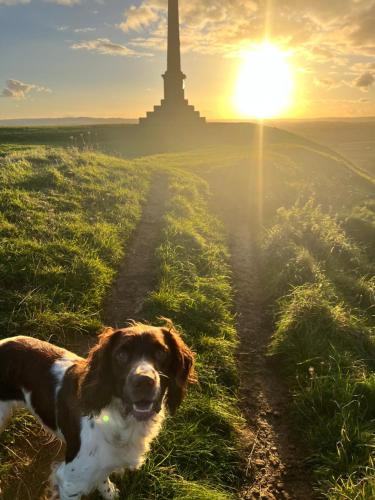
(161, 355)
(123, 356)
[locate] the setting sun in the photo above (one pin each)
(265, 83)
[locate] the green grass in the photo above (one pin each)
(316, 250)
(81, 136)
(66, 217)
(319, 280)
(360, 225)
(197, 456)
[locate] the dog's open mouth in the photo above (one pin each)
(143, 410)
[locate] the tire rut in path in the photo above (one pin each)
(275, 461)
(136, 278)
(137, 274)
(276, 466)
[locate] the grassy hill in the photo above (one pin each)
(65, 224)
(313, 218)
(353, 138)
(66, 220)
(129, 140)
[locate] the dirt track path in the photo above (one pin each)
(275, 460)
(137, 274)
(34, 451)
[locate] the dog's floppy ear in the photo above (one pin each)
(97, 384)
(181, 371)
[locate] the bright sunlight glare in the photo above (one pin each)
(265, 82)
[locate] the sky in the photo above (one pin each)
(104, 58)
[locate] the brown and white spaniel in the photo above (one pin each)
(107, 408)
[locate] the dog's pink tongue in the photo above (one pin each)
(143, 406)
(143, 410)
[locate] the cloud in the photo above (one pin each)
(68, 3)
(340, 27)
(137, 18)
(211, 27)
(75, 30)
(57, 2)
(365, 80)
(106, 47)
(364, 31)
(15, 89)
(84, 30)
(194, 12)
(327, 82)
(14, 2)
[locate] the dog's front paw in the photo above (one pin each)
(52, 490)
(51, 493)
(108, 490)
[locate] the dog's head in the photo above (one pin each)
(139, 365)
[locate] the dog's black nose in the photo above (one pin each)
(143, 381)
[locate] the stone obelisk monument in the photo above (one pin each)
(173, 77)
(174, 109)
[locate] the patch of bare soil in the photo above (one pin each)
(34, 450)
(276, 467)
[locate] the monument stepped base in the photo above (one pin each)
(176, 114)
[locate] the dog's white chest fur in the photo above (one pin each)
(121, 441)
(109, 442)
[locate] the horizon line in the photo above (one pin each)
(210, 120)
